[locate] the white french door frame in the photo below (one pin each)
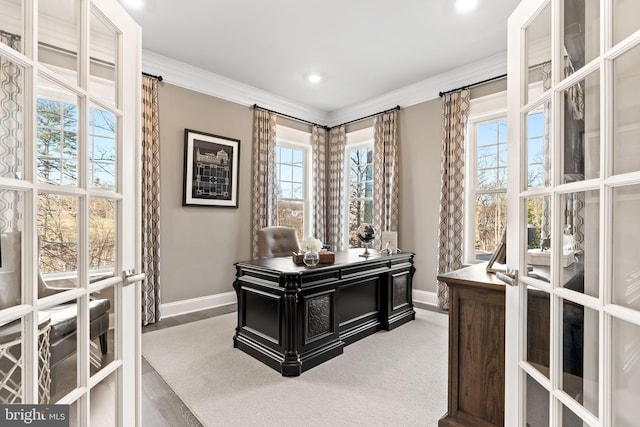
(517, 368)
(126, 363)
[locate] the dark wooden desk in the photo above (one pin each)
(293, 318)
(476, 348)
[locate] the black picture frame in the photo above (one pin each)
(211, 166)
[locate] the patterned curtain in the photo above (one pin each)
(385, 166)
(319, 162)
(150, 201)
(455, 108)
(264, 174)
(10, 133)
(335, 188)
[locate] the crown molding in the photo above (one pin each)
(199, 80)
(425, 90)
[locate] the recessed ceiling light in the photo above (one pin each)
(464, 6)
(136, 4)
(314, 78)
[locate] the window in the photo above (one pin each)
(486, 200)
(292, 177)
(359, 188)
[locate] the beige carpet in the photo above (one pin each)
(396, 378)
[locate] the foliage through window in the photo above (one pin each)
(360, 189)
(291, 187)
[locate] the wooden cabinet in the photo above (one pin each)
(476, 348)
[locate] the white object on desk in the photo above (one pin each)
(389, 240)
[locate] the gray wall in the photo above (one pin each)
(199, 245)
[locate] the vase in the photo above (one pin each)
(311, 258)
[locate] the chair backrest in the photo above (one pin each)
(277, 242)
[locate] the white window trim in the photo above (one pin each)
(483, 109)
(293, 138)
(362, 138)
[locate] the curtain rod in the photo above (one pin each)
(397, 107)
(441, 94)
(158, 78)
(256, 106)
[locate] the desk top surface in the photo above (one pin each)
(473, 275)
(342, 259)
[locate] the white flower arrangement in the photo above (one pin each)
(312, 244)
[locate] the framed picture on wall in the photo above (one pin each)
(211, 165)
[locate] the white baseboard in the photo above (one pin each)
(424, 297)
(195, 304)
(218, 300)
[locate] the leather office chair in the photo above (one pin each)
(277, 242)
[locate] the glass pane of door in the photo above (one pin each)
(626, 235)
(58, 242)
(626, 114)
(11, 119)
(581, 242)
(581, 33)
(58, 37)
(102, 148)
(625, 22)
(626, 373)
(11, 235)
(581, 133)
(103, 54)
(538, 54)
(63, 348)
(538, 147)
(537, 404)
(102, 308)
(12, 23)
(11, 365)
(58, 118)
(580, 335)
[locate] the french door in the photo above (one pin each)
(573, 320)
(69, 208)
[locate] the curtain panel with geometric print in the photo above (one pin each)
(319, 182)
(264, 175)
(385, 167)
(455, 109)
(150, 201)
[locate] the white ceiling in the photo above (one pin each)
(363, 48)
